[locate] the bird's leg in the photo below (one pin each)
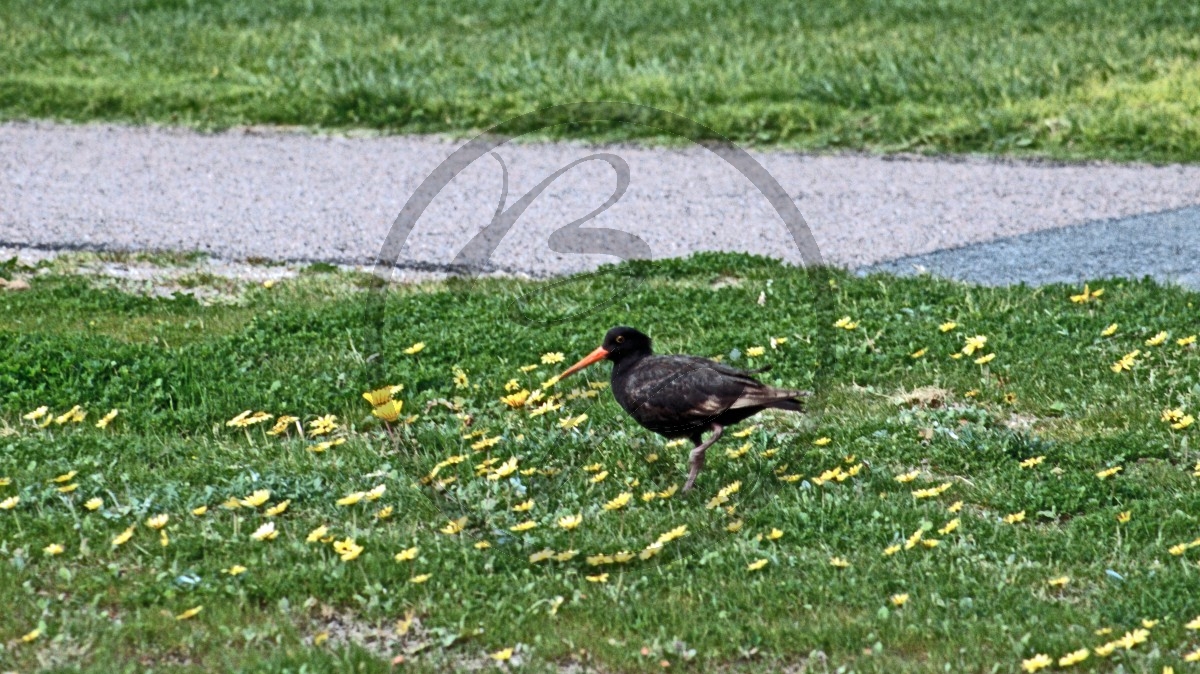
(696, 459)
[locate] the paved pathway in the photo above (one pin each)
(294, 196)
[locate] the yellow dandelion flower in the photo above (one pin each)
(774, 535)
(158, 521)
(984, 360)
(415, 349)
(123, 537)
(955, 507)
(190, 613)
(454, 526)
(552, 358)
(1031, 462)
(600, 578)
(1124, 517)
(950, 527)
(523, 507)
(650, 550)
(569, 522)
(622, 557)
(282, 424)
(1015, 517)
(65, 477)
(1185, 341)
(380, 395)
(504, 470)
(323, 425)
(53, 549)
(619, 502)
(738, 452)
(908, 477)
(277, 509)
(1149, 624)
(745, 432)
(670, 491)
(107, 418)
(891, 550)
(565, 555)
(376, 492)
(94, 503)
(523, 526)
(1194, 624)
(1194, 656)
(599, 477)
(930, 542)
(200, 510)
(407, 555)
(973, 344)
(36, 414)
(420, 578)
(1157, 339)
(1184, 421)
(1073, 658)
(914, 539)
(68, 488)
(384, 513)
(947, 326)
(1039, 661)
(1105, 474)
(266, 532)
(486, 443)
(899, 599)
(1087, 295)
(257, 498)
(845, 323)
(351, 499)
(32, 635)
(1061, 581)
(755, 351)
(918, 353)
(838, 562)
(389, 410)
(1109, 331)
(677, 532)
(517, 399)
(482, 545)
(1126, 362)
(735, 526)
(756, 565)
(502, 655)
(73, 415)
(572, 422)
(235, 570)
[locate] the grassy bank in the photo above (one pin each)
(807, 562)
(1069, 79)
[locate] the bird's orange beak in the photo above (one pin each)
(594, 357)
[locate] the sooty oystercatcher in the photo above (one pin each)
(683, 396)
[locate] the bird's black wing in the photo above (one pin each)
(676, 395)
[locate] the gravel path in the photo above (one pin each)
(294, 196)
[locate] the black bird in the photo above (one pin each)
(683, 396)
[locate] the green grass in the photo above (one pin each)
(979, 600)
(1068, 79)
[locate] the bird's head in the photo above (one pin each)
(619, 343)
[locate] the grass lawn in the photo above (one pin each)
(1061, 78)
(966, 488)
